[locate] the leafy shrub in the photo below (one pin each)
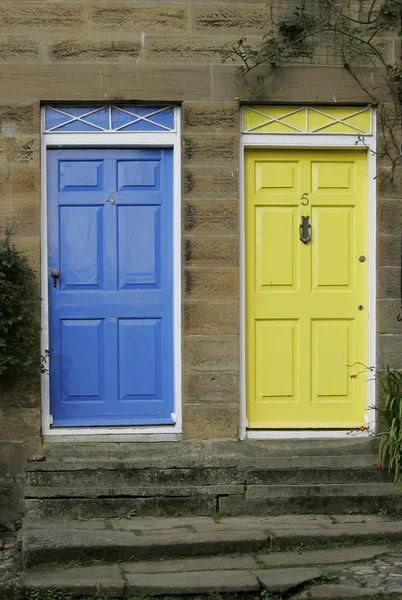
(19, 326)
(390, 412)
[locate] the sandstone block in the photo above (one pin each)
(211, 317)
(211, 150)
(389, 249)
(23, 215)
(218, 353)
(210, 422)
(224, 18)
(390, 216)
(152, 18)
(389, 182)
(210, 182)
(94, 50)
(18, 119)
(211, 217)
(211, 251)
(214, 117)
(20, 424)
(19, 183)
(21, 149)
(18, 49)
(43, 17)
(299, 84)
(388, 282)
(388, 310)
(115, 82)
(211, 283)
(214, 388)
(389, 350)
(187, 50)
(30, 246)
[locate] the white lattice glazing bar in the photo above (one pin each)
(114, 118)
(344, 120)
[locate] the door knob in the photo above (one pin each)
(55, 275)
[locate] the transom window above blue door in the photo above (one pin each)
(124, 118)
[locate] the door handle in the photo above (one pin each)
(55, 273)
(305, 230)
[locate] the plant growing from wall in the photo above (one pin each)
(351, 37)
(19, 326)
(390, 417)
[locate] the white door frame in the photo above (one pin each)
(303, 141)
(117, 140)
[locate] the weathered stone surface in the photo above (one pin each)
(389, 249)
(218, 353)
(337, 592)
(213, 150)
(83, 82)
(30, 246)
(388, 282)
(202, 582)
(211, 251)
(389, 349)
(15, 119)
(283, 580)
(18, 49)
(30, 16)
(210, 387)
(331, 556)
(389, 182)
(185, 565)
(223, 18)
(21, 183)
(151, 18)
(20, 425)
(214, 117)
(210, 182)
(94, 50)
(187, 50)
(388, 311)
(211, 317)
(210, 422)
(390, 216)
(290, 84)
(107, 508)
(208, 282)
(21, 149)
(105, 580)
(22, 215)
(213, 218)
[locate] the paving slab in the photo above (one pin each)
(196, 582)
(98, 581)
(331, 556)
(204, 563)
(282, 580)
(337, 592)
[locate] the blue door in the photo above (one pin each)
(110, 238)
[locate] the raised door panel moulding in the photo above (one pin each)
(124, 118)
(348, 120)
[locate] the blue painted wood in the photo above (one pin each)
(110, 232)
(83, 118)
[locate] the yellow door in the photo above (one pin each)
(306, 303)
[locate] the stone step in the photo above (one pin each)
(102, 502)
(254, 470)
(146, 539)
(199, 450)
(188, 575)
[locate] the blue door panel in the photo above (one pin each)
(110, 233)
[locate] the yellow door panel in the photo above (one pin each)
(304, 328)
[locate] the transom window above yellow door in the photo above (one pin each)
(352, 120)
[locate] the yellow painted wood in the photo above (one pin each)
(304, 329)
(307, 119)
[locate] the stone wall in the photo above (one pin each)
(136, 50)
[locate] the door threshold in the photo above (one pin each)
(112, 434)
(302, 434)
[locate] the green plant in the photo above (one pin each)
(390, 421)
(19, 326)
(58, 594)
(330, 577)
